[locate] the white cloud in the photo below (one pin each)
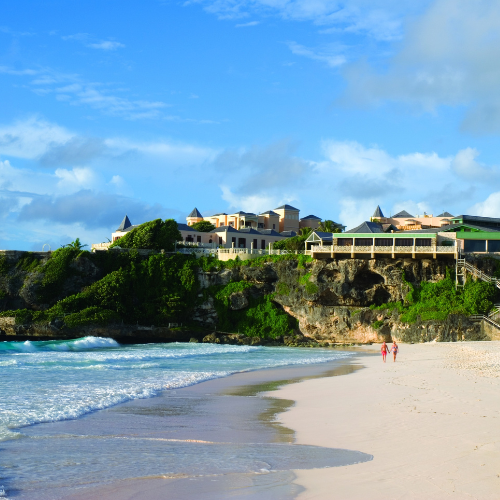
(380, 19)
(77, 178)
(22, 72)
(247, 25)
(327, 55)
(106, 98)
(487, 208)
(254, 203)
(177, 152)
(106, 45)
(448, 57)
(31, 138)
(91, 42)
(465, 166)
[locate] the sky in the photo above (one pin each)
(152, 108)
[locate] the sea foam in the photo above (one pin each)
(58, 380)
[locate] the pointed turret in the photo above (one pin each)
(378, 213)
(195, 213)
(125, 224)
(194, 217)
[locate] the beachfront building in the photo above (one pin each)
(284, 219)
(225, 236)
(405, 221)
(372, 239)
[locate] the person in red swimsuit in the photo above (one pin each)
(394, 349)
(384, 350)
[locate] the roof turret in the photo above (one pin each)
(378, 213)
(403, 215)
(124, 224)
(287, 207)
(195, 213)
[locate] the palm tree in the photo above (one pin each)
(77, 245)
(328, 226)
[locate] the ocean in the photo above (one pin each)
(67, 380)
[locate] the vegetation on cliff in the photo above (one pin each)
(437, 300)
(154, 235)
(127, 287)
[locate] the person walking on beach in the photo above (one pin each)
(384, 350)
(394, 349)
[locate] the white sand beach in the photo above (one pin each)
(431, 421)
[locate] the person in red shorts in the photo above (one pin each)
(384, 350)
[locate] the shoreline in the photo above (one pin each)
(430, 420)
(201, 413)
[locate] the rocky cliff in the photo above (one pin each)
(331, 299)
(324, 301)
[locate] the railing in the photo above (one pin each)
(196, 244)
(256, 251)
(380, 249)
(477, 272)
(100, 246)
(197, 250)
(480, 317)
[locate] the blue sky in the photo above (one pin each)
(112, 107)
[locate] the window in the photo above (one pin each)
(364, 242)
(423, 242)
(344, 242)
(263, 244)
(404, 242)
(475, 245)
(493, 245)
(383, 242)
(233, 240)
(220, 240)
(198, 239)
(274, 226)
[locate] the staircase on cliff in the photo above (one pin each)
(462, 268)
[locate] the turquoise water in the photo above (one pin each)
(59, 380)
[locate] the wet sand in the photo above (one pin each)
(217, 439)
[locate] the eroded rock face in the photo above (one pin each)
(238, 301)
(331, 298)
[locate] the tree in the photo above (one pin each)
(203, 226)
(293, 243)
(154, 235)
(305, 231)
(328, 226)
(77, 245)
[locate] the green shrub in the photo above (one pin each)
(4, 265)
(55, 272)
(203, 226)
(377, 324)
(283, 289)
(225, 292)
(27, 263)
(437, 300)
(292, 244)
(389, 306)
(311, 288)
(303, 280)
